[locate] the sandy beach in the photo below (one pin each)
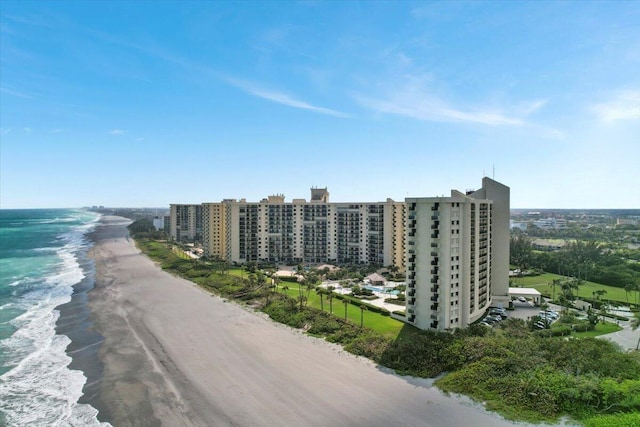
(174, 355)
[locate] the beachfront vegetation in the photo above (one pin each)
(523, 374)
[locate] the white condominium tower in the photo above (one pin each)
(457, 259)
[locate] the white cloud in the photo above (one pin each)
(14, 93)
(27, 129)
(117, 132)
(530, 107)
(57, 131)
(625, 105)
(281, 98)
(414, 101)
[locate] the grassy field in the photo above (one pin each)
(601, 329)
(384, 325)
(543, 284)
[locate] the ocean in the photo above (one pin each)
(43, 254)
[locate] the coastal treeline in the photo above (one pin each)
(585, 260)
(519, 373)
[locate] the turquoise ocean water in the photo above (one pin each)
(42, 256)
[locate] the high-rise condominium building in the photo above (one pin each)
(457, 256)
(317, 231)
(185, 222)
(455, 250)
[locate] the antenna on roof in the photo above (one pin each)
(494, 173)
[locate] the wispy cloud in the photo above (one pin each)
(530, 107)
(14, 92)
(418, 103)
(27, 130)
(5, 131)
(250, 88)
(117, 132)
(57, 131)
(281, 98)
(625, 105)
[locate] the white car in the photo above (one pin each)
(522, 299)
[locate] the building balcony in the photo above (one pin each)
(434, 297)
(434, 306)
(435, 289)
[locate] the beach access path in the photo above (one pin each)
(175, 355)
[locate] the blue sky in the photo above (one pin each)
(150, 103)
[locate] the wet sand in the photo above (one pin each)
(174, 355)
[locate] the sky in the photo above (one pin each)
(143, 104)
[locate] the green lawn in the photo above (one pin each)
(543, 284)
(601, 329)
(384, 325)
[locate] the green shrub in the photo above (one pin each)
(614, 420)
(370, 345)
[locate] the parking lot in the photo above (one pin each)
(526, 310)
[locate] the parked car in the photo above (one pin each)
(498, 312)
(522, 299)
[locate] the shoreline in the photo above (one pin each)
(174, 354)
(75, 322)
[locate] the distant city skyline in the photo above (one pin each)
(140, 104)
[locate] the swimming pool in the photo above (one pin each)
(382, 289)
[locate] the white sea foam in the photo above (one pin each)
(40, 389)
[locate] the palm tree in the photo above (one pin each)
(330, 296)
(635, 287)
(567, 296)
(627, 290)
(320, 292)
(635, 324)
(603, 309)
(554, 283)
(393, 269)
(362, 309)
(599, 293)
(346, 304)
